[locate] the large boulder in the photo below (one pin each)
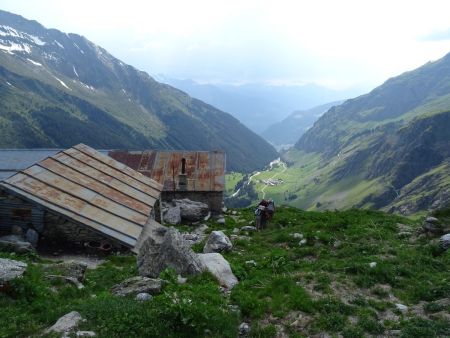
(15, 243)
(173, 252)
(192, 211)
(217, 242)
(172, 214)
(137, 285)
(10, 269)
(219, 268)
(66, 323)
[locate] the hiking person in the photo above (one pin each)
(270, 208)
(261, 215)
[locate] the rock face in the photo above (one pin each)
(220, 268)
(172, 252)
(10, 269)
(14, 243)
(137, 285)
(66, 323)
(217, 242)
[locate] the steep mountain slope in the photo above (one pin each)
(382, 149)
(260, 105)
(58, 89)
(289, 130)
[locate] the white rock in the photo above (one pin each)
(234, 212)
(181, 280)
(252, 262)
(373, 264)
(235, 231)
(85, 334)
(66, 323)
(220, 268)
(221, 220)
(431, 219)
(297, 235)
(143, 296)
(244, 329)
(248, 228)
(303, 241)
(402, 308)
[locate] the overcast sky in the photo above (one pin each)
(333, 43)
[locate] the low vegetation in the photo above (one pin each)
(307, 274)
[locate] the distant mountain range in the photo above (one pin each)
(258, 106)
(387, 149)
(60, 89)
(285, 133)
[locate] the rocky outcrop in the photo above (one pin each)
(15, 243)
(184, 209)
(172, 252)
(219, 268)
(444, 242)
(138, 285)
(217, 242)
(10, 269)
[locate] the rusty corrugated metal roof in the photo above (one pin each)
(205, 170)
(92, 189)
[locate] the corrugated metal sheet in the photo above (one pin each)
(91, 189)
(205, 170)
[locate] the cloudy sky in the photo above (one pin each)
(338, 44)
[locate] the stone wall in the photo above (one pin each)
(212, 198)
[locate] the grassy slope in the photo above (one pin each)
(324, 285)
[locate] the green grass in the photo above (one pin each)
(326, 284)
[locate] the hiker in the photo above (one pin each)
(270, 208)
(261, 214)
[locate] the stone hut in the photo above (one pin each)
(82, 197)
(196, 175)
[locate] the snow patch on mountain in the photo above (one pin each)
(11, 47)
(61, 82)
(58, 44)
(75, 71)
(35, 63)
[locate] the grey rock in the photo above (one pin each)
(85, 334)
(248, 228)
(72, 269)
(192, 211)
(10, 269)
(172, 215)
(173, 252)
(181, 280)
(221, 220)
(66, 323)
(136, 285)
(219, 268)
(444, 241)
(244, 329)
(207, 217)
(234, 212)
(14, 243)
(402, 308)
(217, 242)
(431, 219)
(251, 262)
(143, 297)
(32, 237)
(297, 235)
(236, 231)
(224, 209)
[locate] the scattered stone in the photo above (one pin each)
(207, 217)
(431, 219)
(337, 243)
(402, 308)
(181, 280)
(172, 215)
(248, 228)
(373, 264)
(221, 220)
(244, 329)
(10, 269)
(251, 262)
(444, 242)
(192, 211)
(85, 334)
(75, 270)
(15, 243)
(220, 268)
(137, 285)
(297, 235)
(143, 296)
(224, 209)
(234, 308)
(217, 242)
(66, 323)
(32, 237)
(234, 212)
(303, 241)
(236, 231)
(172, 251)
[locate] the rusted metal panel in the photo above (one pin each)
(91, 189)
(205, 171)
